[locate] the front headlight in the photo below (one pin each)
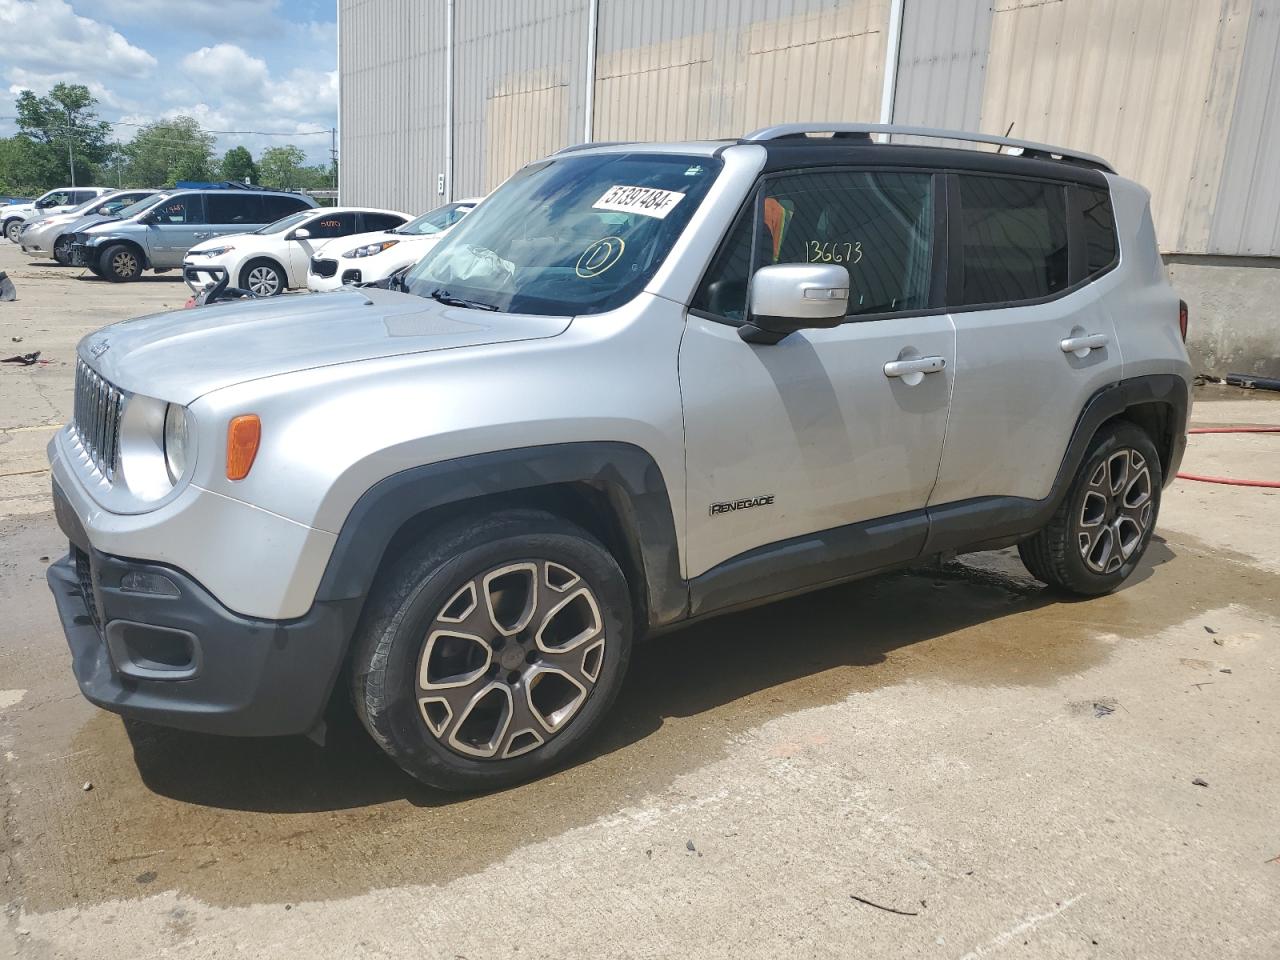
(175, 441)
(369, 249)
(213, 251)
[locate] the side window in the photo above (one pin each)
(724, 288)
(327, 226)
(278, 206)
(879, 226)
(183, 209)
(59, 199)
(1013, 239)
(1099, 229)
(380, 221)
(234, 208)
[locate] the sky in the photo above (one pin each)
(257, 65)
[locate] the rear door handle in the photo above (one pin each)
(904, 368)
(1081, 346)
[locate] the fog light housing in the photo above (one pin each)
(152, 583)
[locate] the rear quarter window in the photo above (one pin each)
(1013, 239)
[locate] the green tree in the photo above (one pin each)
(65, 125)
(27, 168)
(282, 167)
(166, 151)
(238, 164)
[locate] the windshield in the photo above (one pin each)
(574, 235)
(284, 223)
(146, 203)
(437, 221)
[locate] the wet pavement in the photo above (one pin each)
(1010, 771)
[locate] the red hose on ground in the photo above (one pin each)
(1230, 480)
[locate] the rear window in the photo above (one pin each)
(234, 208)
(277, 206)
(1013, 239)
(1099, 225)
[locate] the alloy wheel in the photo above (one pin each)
(264, 281)
(510, 659)
(13, 230)
(124, 264)
(1115, 512)
(62, 250)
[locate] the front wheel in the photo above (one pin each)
(11, 230)
(492, 651)
(1101, 530)
(263, 278)
(62, 250)
(120, 263)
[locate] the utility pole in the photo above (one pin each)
(71, 156)
(333, 155)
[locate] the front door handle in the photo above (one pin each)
(1081, 346)
(905, 368)
(199, 235)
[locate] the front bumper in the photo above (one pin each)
(179, 658)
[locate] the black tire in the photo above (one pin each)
(1061, 556)
(62, 250)
(253, 278)
(11, 228)
(120, 263)
(442, 577)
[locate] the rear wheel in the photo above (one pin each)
(490, 653)
(1101, 530)
(120, 263)
(263, 278)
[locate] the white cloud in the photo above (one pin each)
(48, 36)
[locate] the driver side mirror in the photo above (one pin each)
(788, 297)
(300, 234)
(103, 211)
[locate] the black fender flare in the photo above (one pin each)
(626, 473)
(993, 520)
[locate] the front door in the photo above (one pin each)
(177, 225)
(824, 436)
(321, 229)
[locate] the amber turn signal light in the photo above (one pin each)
(243, 434)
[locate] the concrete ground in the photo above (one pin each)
(938, 764)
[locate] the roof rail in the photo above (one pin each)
(865, 131)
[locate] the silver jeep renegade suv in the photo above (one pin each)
(641, 384)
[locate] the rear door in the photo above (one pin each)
(178, 224)
(232, 212)
(817, 434)
(1034, 338)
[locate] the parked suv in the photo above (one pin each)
(14, 215)
(641, 384)
(52, 236)
(159, 237)
(377, 254)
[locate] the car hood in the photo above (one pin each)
(88, 220)
(23, 209)
(185, 354)
(339, 245)
(216, 242)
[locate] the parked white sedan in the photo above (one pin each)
(375, 256)
(274, 258)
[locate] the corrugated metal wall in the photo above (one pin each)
(392, 102)
(721, 68)
(1182, 95)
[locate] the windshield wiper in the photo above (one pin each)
(445, 297)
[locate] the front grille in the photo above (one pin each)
(323, 268)
(97, 419)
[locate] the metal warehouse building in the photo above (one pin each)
(446, 98)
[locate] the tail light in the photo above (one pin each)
(1182, 319)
